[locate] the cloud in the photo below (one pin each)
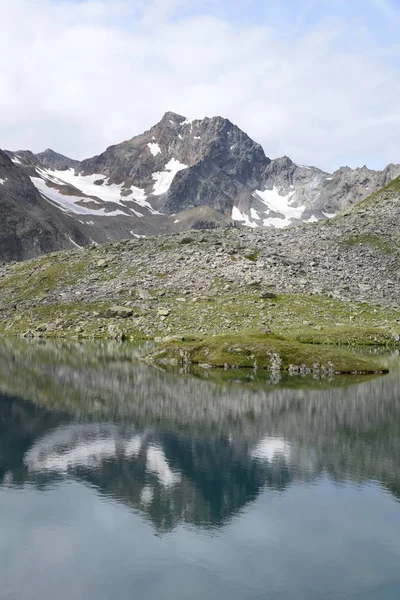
(78, 76)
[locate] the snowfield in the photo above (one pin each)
(154, 148)
(163, 179)
(91, 193)
(69, 203)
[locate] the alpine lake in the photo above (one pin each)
(121, 480)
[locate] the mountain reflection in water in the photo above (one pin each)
(181, 449)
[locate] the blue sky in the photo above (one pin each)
(315, 80)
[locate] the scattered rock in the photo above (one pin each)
(120, 311)
(187, 239)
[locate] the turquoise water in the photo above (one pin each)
(120, 481)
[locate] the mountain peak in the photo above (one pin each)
(173, 117)
(52, 159)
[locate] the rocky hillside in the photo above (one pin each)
(184, 174)
(305, 283)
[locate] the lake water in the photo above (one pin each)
(120, 481)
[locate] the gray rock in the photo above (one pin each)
(120, 311)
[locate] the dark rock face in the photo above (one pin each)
(220, 163)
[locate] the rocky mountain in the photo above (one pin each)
(54, 160)
(185, 174)
(30, 225)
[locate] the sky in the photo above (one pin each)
(316, 80)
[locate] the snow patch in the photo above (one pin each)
(115, 193)
(16, 159)
(163, 179)
(137, 235)
(197, 137)
(176, 221)
(69, 203)
(329, 178)
(154, 148)
(254, 214)
(74, 243)
(312, 219)
(238, 216)
(329, 215)
(2, 181)
(279, 204)
(277, 222)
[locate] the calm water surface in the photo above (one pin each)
(119, 481)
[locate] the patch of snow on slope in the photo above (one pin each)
(238, 216)
(329, 215)
(329, 178)
(277, 222)
(163, 179)
(16, 160)
(197, 137)
(106, 192)
(74, 243)
(254, 214)
(312, 219)
(279, 204)
(85, 183)
(2, 181)
(154, 148)
(68, 203)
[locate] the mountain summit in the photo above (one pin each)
(184, 174)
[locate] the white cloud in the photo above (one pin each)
(80, 76)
